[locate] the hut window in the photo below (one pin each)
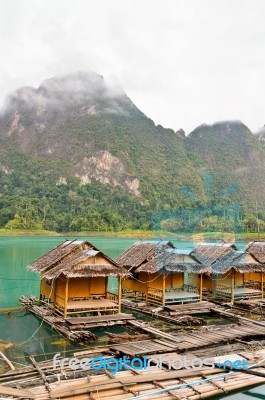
(48, 282)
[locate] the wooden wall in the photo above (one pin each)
(77, 287)
(193, 279)
(253, 276)
(153, 281)
(207, 282)
(85, 287)
(225, 280)
(47, 289)
(132, 284)
(60, 290)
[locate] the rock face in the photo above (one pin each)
(107, 169)
(40, 122)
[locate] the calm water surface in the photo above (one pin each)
(25, 334)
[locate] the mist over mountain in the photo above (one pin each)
(261, 134)
(77, 154)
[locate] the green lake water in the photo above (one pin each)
(25, 333)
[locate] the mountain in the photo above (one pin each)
(234, 155)
(261, 134)
(77, 154)
(80, 155)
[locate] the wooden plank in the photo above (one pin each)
(98, 318)
(126, 381)
(190, 306)
(172, 346)
(9, 391)
(93, 304)
(172, 394)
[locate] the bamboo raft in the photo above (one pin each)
(41, 381)
(187, 341)
(74, 328)
(166, 313)
(254, 306)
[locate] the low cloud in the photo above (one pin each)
(182, 62)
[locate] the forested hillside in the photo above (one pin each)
(77, 154)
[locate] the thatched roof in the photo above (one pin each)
(169, 261)
(237, 260)
(257, 250)
(63, 250)
(216, 258)
(141, 252)
(208, 253)
(192, 268)
(78, 259)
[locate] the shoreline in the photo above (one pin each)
(137, 234)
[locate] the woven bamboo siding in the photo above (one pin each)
(79, 287)
(226, 279)
(60, 290)
(46, 289)
(97, 285)
(84, 287)
(177, 280)
(100, 259)
(134, 284)
(252, 276)
(193, 279)
(153, 280)
(128, 284)
(207, 282)
(156, 280)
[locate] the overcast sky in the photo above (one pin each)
(182, 62)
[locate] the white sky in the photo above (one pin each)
(182, 62)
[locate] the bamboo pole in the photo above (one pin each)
(66, 297)
(40, 289)
(146, 293)
(119, 295)
(233, 286)
(54, 294)
(163, 290)
(106, 286)
(10, 309)
(9, 363)
(262, 283)
(201, 280)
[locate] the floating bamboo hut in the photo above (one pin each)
(162, 274)
(74, 280)
(231, 271)
(255, 279)
(230, 277)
